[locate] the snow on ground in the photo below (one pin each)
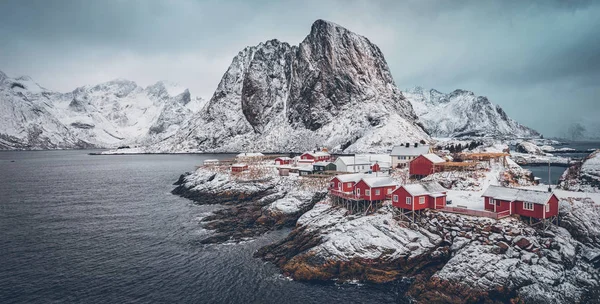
(368, 237)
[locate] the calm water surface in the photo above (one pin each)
(77, 228)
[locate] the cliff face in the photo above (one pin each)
(334, 89)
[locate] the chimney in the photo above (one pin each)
(416, 145)
(407, 145)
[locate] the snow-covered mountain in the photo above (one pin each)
(106, 115)
(334, 89)
(462, 113)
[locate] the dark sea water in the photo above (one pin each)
(76, 228)
(557, 171)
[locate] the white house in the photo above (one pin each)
(403, 154)
(362, 163)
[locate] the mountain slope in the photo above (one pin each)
(462, 113)
(334, 89)
(106, 115)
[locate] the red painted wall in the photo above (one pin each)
(239, 169)
(375, 168)
(441, 202)
(538, 209)
(553, 206)
(420, 166)
(374, 196)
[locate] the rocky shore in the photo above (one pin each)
(450, 258)
(251, 206)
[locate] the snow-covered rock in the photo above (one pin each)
(462, 113)
(529, 148)
(109, 114)
(583, 176)
(334, 89)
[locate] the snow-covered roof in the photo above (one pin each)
(284, 158)
(344, 178)
(379, 181)
(434, 158)
(366, 159)
(321, 164)
(317, 154)
(402, 150)
(516, 194)
(239, 165)
(427, 188)
(211, 160)
(250, 154)
(305, 168)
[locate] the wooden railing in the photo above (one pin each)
(480, 213)
(342, 194)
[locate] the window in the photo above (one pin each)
(348, 185)
(367, 192)
(357, 191)
(422, 200)
(395, 198)
(409, 200)
(340, 185)
(528, 206)
(492, 201)
(389, 191)
(377, 192)
(332, 185)
(399, 157)
(547, 207)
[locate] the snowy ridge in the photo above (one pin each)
(109, 114)
(462, 113)
(334, 89)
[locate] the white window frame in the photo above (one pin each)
(377, 192)
(332, 185)
(357, 191)
(409, 200)
(348, 185)
(389, 191)
(367, 192)
(422, 200)
(395, 198)
(547, 208)
(492, 201)
(526, 205)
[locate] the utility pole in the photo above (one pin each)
(549, 178)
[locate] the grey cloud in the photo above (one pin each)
(538, 59)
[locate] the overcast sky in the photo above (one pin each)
(539, 60)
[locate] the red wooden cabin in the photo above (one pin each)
(345, 182)
(283, 161)
(429, 195)
(375, 167)
(375, 188)
(423, 165)
(317, 156)
(239, 167)
(525, 202)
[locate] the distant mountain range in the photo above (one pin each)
(462, 113)
(335, 89)
(105, 115)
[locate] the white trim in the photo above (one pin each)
(409, 200)
(526, 204)
(395, 198)
(377, 192)
(358, 191)
(368, 192)
(421, 200)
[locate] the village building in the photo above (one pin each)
(375, 188)
(323, 166)
(401, 155)
(306, 170)
(239, 167)
(211, 162)
(363, 163)
(360, 192)
(533, 204)
(283, 161)
(413, 197)
(424, 165)
(315, 156)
